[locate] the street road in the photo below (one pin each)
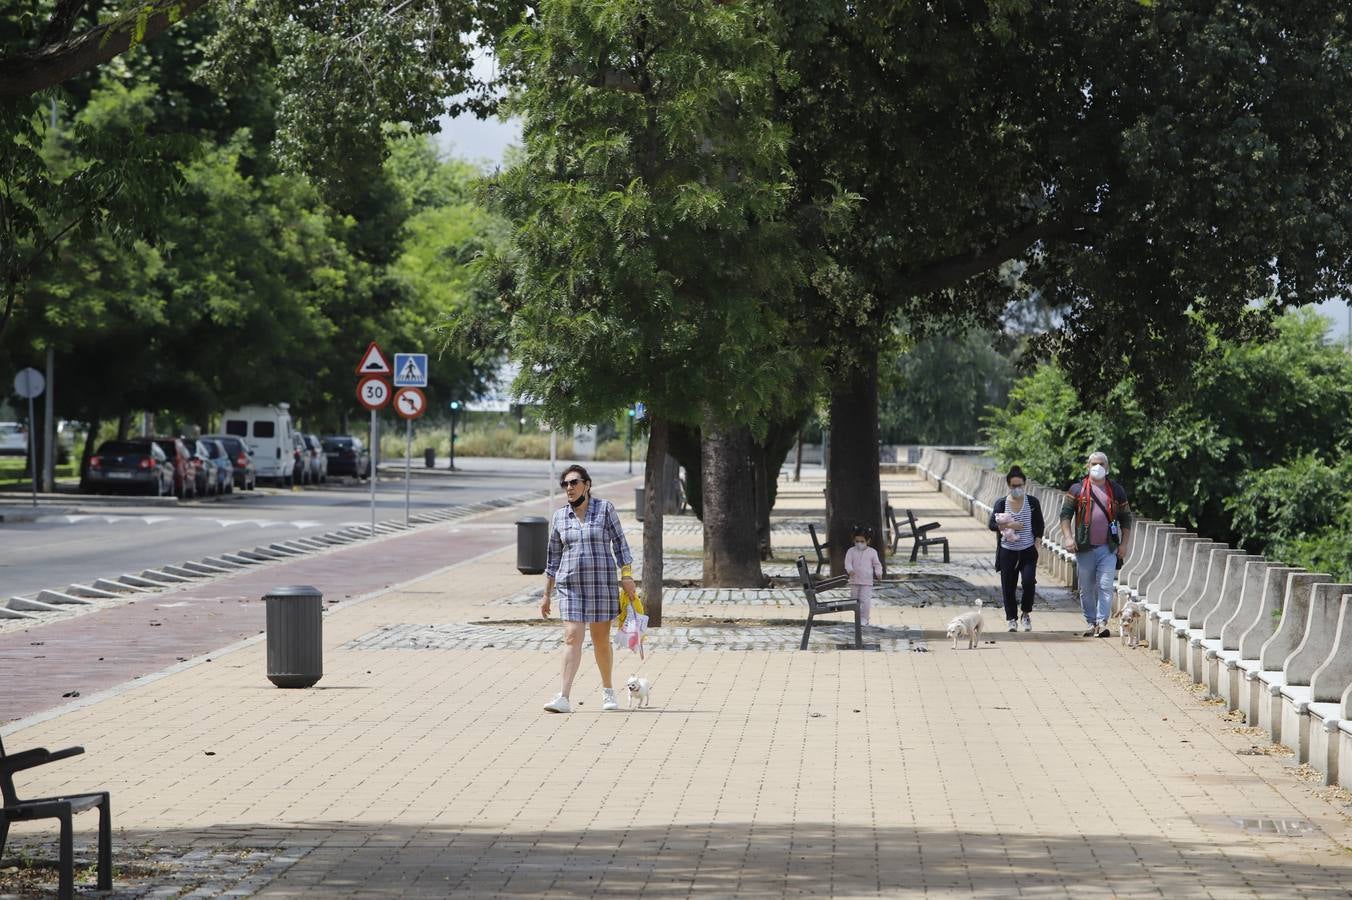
(99, 542)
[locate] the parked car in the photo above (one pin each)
(319, 463)
(135, 465)
(204, 469)
(241, 460)
(185, 469)
(13, 439)
(222, 467)
(346, 455)
(269, 432)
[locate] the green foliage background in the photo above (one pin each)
(1253, 452)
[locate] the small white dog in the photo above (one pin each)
(967, 625)
(1132, 612)
(640, 689)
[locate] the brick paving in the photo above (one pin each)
(1039, 764)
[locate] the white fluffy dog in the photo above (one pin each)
(967, 625)
(639, 689)
(1132, 612)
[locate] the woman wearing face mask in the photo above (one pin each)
(862, 566)
(586, 543)
(1017, 519)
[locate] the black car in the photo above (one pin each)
(347, 455)
(139, 466)
(241, 458)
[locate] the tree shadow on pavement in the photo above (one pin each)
(745, 859)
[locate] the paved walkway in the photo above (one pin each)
(1039, 764)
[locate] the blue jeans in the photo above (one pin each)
(1097, 568)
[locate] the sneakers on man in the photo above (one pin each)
(559, 704)
(1091, 630)
(608, 700)
(1103, 629)
(1027, 622)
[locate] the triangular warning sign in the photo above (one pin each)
(373, 362)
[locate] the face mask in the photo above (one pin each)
(861, 544)
(1016, 493)
(581, 499)
(1097, 472)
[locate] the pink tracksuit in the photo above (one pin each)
(862, 566)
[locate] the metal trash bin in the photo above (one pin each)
(640, 497)
(429, 457)
(532, 545)
(295, 636)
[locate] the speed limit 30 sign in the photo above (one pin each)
(373, 392)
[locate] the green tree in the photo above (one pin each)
(937, 390)
(650, 256)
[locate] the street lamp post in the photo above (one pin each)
(455, 413)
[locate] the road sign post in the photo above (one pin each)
(29, 383)
(373, 392)
(410, 403)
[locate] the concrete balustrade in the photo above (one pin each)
(1160, 603)
(1265, 684)
(1250, 607)
(1321, 624)
(1154, 555)
(1213, 599)
(1231, 594)
(1180, 600)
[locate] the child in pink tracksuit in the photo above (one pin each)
(862, 566)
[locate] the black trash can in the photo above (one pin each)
(295, 636)
(532, 545)
(640, 497)
(429, 457)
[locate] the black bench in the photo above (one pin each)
(820, 547)
(920, 533)
(61, 808)
(816, 606)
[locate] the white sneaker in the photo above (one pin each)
(1027, 622)
(559, 704)
(608, 700)
(1013, 625)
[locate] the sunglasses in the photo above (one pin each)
(570, 482)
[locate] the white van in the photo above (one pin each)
(268, 430)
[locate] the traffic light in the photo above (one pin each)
(455, 405)
(631, 412)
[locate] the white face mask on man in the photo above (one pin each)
(1097, 472)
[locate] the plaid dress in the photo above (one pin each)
(582, 561)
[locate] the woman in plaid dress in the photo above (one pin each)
(586, 543)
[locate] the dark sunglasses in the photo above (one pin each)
(570, 482)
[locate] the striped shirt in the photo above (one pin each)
(1024, 538)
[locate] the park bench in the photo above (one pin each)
(820, 547)
(61, 808)
(920, 534)
(816, 606)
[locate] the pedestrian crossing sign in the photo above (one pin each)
(410, 370)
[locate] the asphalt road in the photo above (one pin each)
(61, 548)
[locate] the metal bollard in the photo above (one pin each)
(532, 545)
(295, 636)
(640, 497)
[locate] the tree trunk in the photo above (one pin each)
(654, 484)
(760, 483)
(852, 483)
(731, 556)
(90, 437)
(685, 447)
(123, 426)
(671, 472)
(798, 459)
